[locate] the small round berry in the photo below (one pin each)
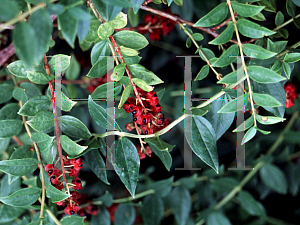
(51, 178)
(134, 119)
(72, 212)
(50, 172)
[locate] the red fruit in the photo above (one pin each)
(76, 163)
(72, 210)
(129, 126)
(154, 36)
(92, 209)
(152, 19)
(291, 94)
(77, 183)
(59, 203)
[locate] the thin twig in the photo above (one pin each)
(6, 53)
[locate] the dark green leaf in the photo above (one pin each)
(70, 146)
(99, 69)
(202, 140)
(23, 197)
(297, 2)
(266, 100)
(225, 59)
(30, 89)
(252, 30)
(283, 33)
(34, 105)
(7, 188)
(42, 121)
(245, 125)
(43, 140)
(246, 10)
(10, 128)
(181, 204)
(152, 210)
(8, 10)
(97, 164)
(72, 220)
(250, 205)
(217, 218)
(125, 95)
(4, 142)
(18, 167)
(9, 111)
(102, 218)
(279, 19)
(130, 39)
(6, 92)
(127, 163)
(119, 3)
(62, 60)
(138, 71)
(287, 69)
(291, 8)
(38, 77)
(224, 184)
(9, 213)
(68, 26)
(73, 127)
(268, 119)
(20, 95)
(215, 16)
(101, 91)
(263, 75)
(108, 12)
(202, 73)
(292, 57)
(83, 29)
(249, 135)
(133, 17)
(125, 214)
(224, 37)
(66, 103)
(98, 113)
(235, 105)
(49, 155)
(19, 68)
(270, 5)
(255, 51)
(162, 187)
(231, 78)
(22, 152)
(273, 178)
(100, 49)
(73, 70)
(92, 34)
(119, 71)
(259, 17)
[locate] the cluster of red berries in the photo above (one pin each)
(148, 120)
(291, 94)
(147, 151)
(95, 82)
(71, 204)
(156, 25)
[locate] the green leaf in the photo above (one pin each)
(79, 13)
(120, 21)
(72, 220)
(64, 62)
(100, 49)
(217, 218)
(152, 210)
(127, 163)
(97, 164)
(297, 2)
(101, 91)
(287, 69)
(259, 17)
(119, 71)
(73, 71)
(9, 111)
(93, 31)
(252, 30)
(179, 2)
(6, 92)
(292, 57)
(215, 16)
(263, 75)
(73, 127)
(273, 178)
(291, 8)
(35, 105)
(98, 113)
(68, 26)
(22, 153)
(249, 135)
(138, 71)
(224, 37)
(224, 184)
(279, 19)
(181, 204)
(220, 121)
(128, 51)
(162, 187)
(266, 100)
(30, 89)
(202, 73)
(42, 121)
(161, 149)
(125, 214)
(19, 68)
(142, 84)
(202, 140)
(66, 103)
(20, 95)
(133, 17)
(49, 155)
(43, 140)
(10, 128)
(41, 22)
(125, 95)
(269, 119)
(4, 142)
(99, 69)
(283, 33)
(102, 218)
(8, 10)
(225, 59)
(23, 197)
(198, 36)
(107, 11)
(256, 51)
(51, 192)
(270, 5)
(18, 167)
(9, 213)
(26, 48)
(9, 187)
(263, 131)
(246, 10)
(38, 77)
(83, 28)
(235, 104)
(250, 205)
(231, 78)
(105, 30)
(130, 39)
(245, 125)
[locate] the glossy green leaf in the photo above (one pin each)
(127, 163)
(142, 84)
(9, 213)
(235, 105)
(73, 127)
(269, 119)
(121, 3)
(292, 57)
(283, 33)
(63, 60)
(252, 30)
(130, 39)
(181, 204)
(43, 140)
(128, 51)
(98, 113)
(263, 75)
(83, 28)
(66, 103)
(266, 100)
(259, 17)
(38, 77)
(273, 178)
(202, 140)
(226, 58)
(249, 135)
(97, 164)
(120, 21)
(93, 31)
(99, 69)
(125, 214)
(162, 187)
(20, 95)
(23, 197)
(30, 89)
(215, 16)
(138, 71)
(291, 8)
(224, 37)
(279, 19)
(161, 149)
(105, 30)
(42, 121)
(119, 71)
(18, 167)
(9, 111)
(8, 187)
(255, 51)
(6, 92)
(26, 48)
(4, 143)
(73, 70)
(101, 91)
(220, 121)
(263, 131)
(246, 10)
(231, 78)
(68, 26)
(202, 73)
(100, 49)
(35, 105)
(125, 95)
(152, 210)
(217, 218)
(72, 220)
(286, 69)
(22, 153)
(19, 68)
(245, 125)
(10, 128)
